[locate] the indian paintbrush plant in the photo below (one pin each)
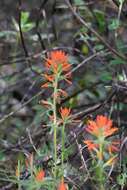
(58, 69)
(103, 149)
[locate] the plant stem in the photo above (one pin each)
(63, 146)
(55, 123)
(101, 177)
(102, 187)
(101, 170)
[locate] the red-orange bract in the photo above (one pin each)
(101, 127)
(57, 63)
(62, 185)
(40, 175)
(91, 145)
(65, 113)
(56, 59)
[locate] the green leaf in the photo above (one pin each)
(100, 17)
(27, 27)
(121, 179)
(24, 17)
(117, 61)
(25, 24)
(78, 2)
(99, 47)
(2, 156)
(114, 24)
(121, 1)
(105, 76)
(85, 49)
(15, 24)
(7, 33)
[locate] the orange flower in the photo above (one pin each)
(40, 175)
(45, 103)
(91, 145)
(65, 113)
(101, 127)
(45, 85)
(57, 63)
(62, 185)
(60, 93)
(49, 78)
(56, 60)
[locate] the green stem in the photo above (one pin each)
(55, 125)
(100, 176)
(63, 146)
(101, 187)
(19, 168)
(101, 179)
(100, 169)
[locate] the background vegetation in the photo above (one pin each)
(93, 33)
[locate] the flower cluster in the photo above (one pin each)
(65, 113)
(58, 67)
(102, 148)
(40, 174)
(57, 60)
(62, 185)
(101, 128)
